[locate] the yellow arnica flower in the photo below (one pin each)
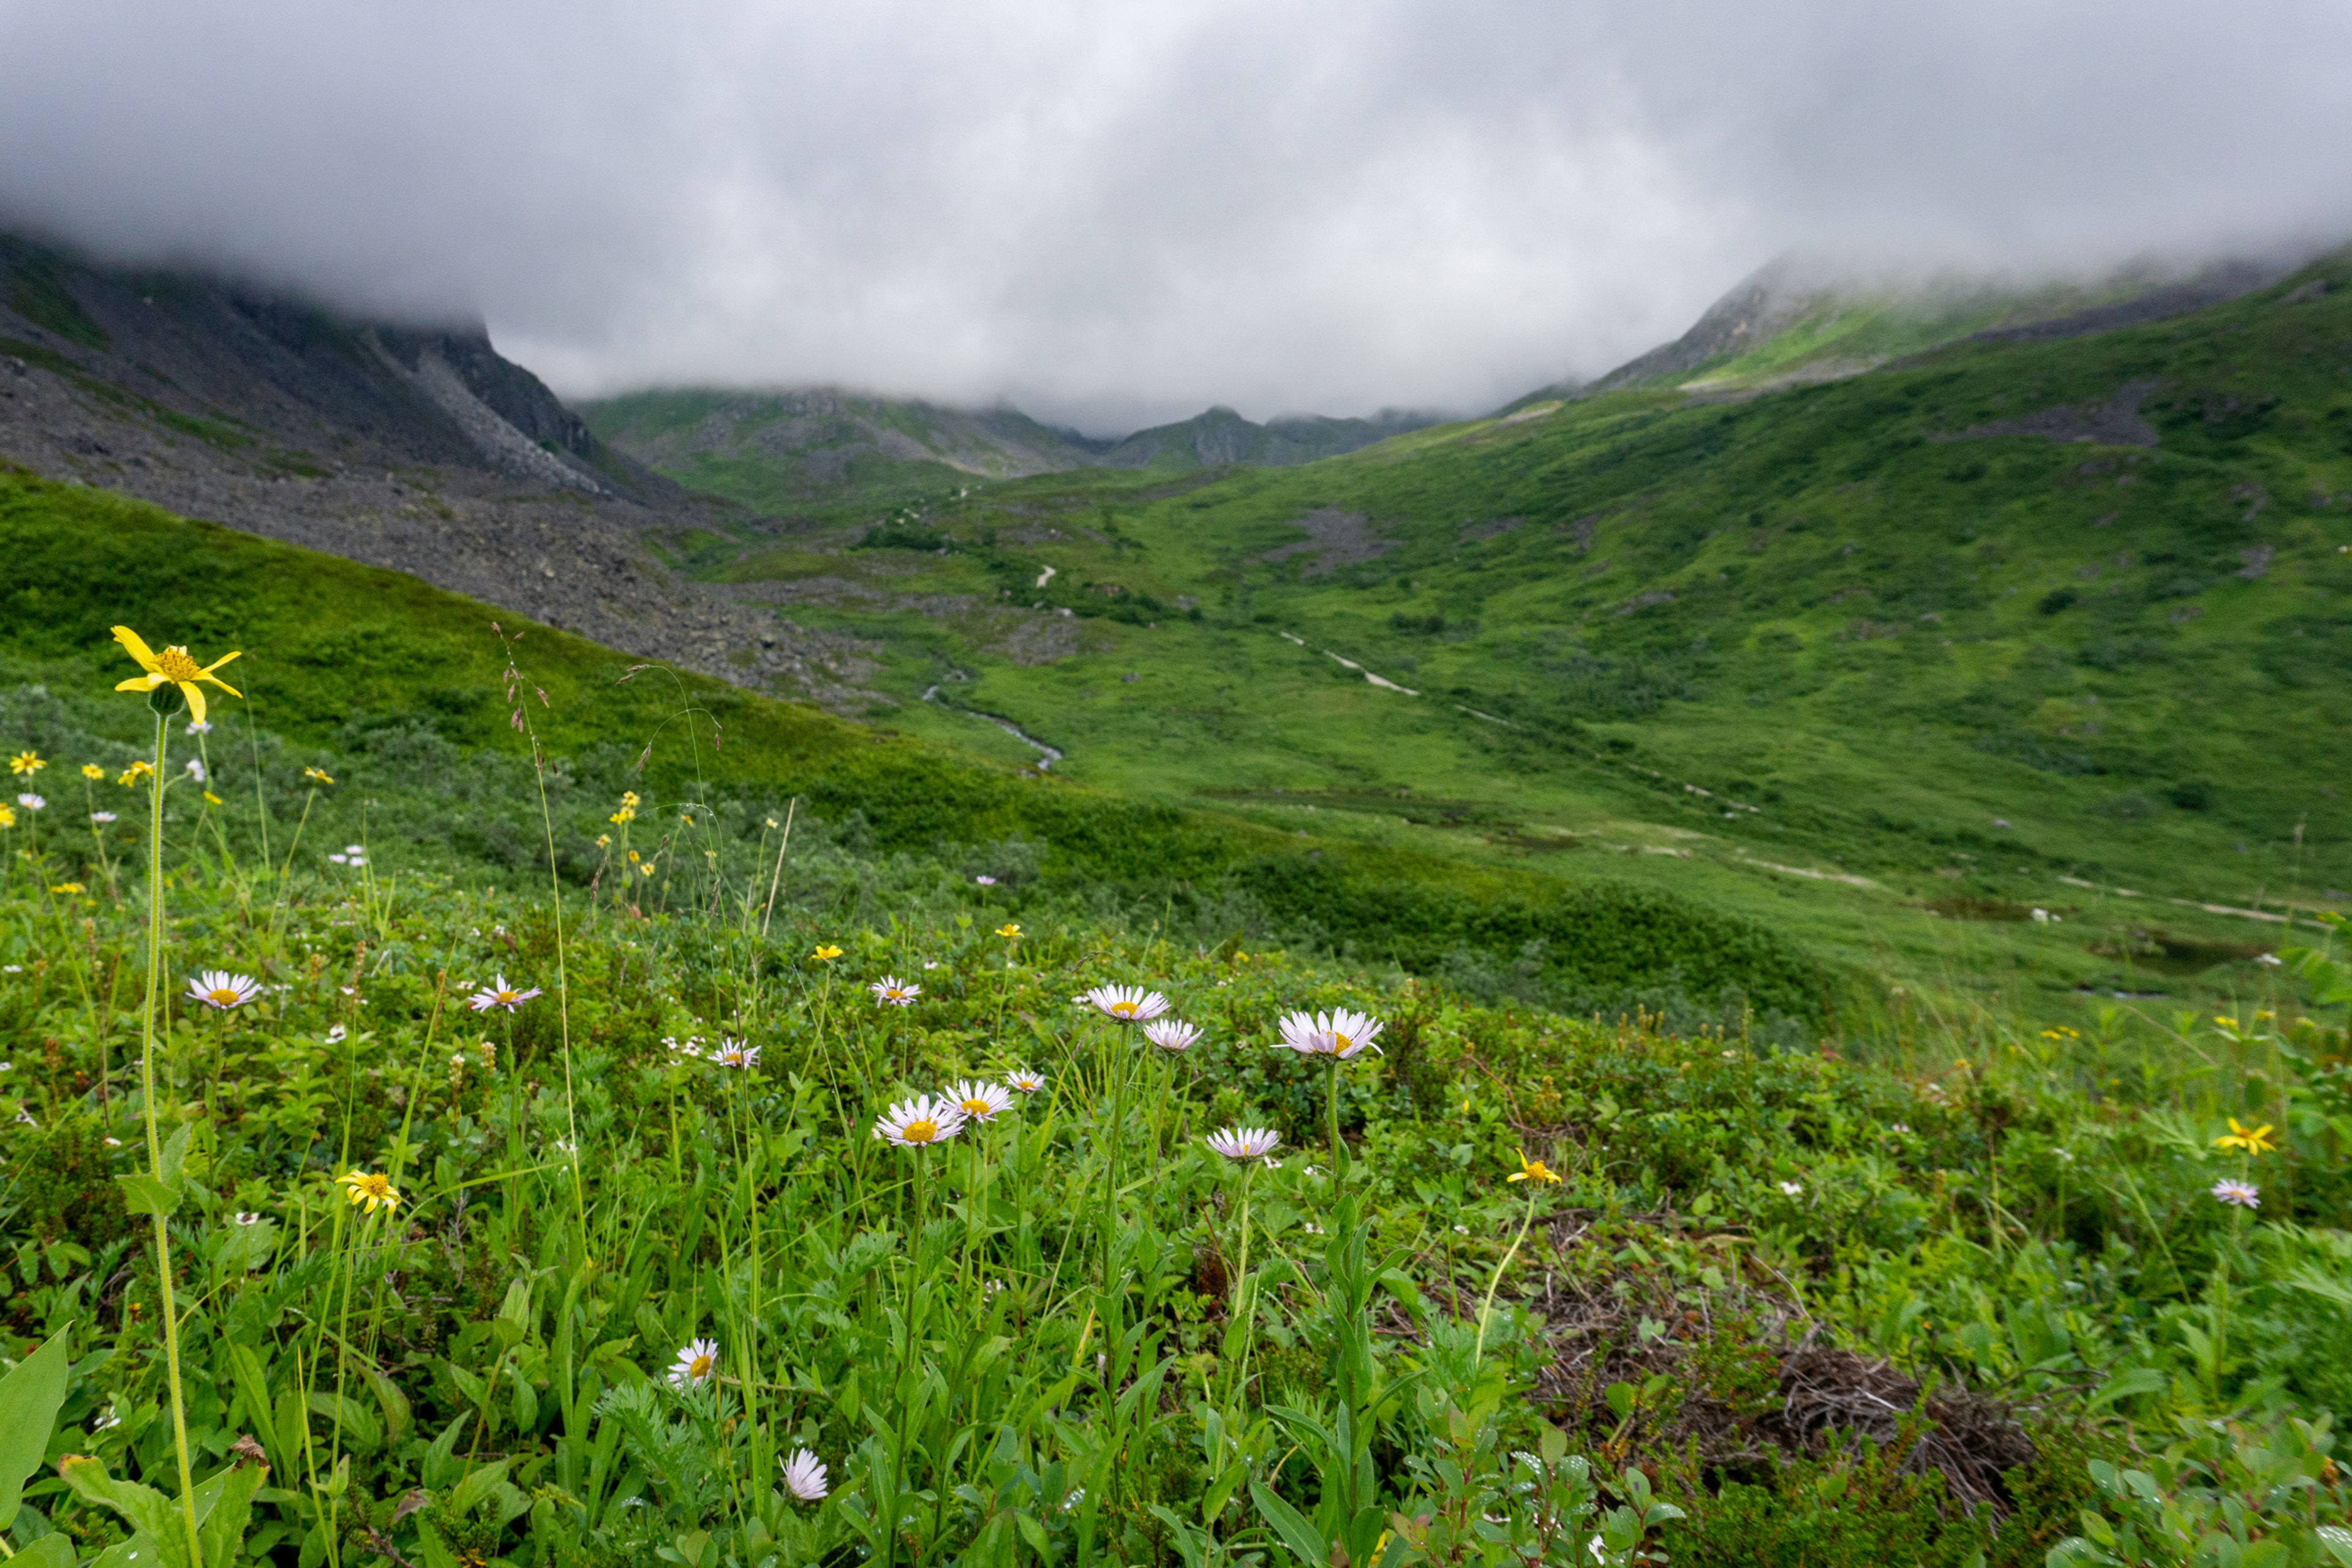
(212, 798)
(25, 764)
(2248, 1139)
(369, 1189)
(7, 816)
(603, 840)
(92, 772)
(629, 801)
(825, 955)
(623, 815)
(134, 773)
(1008, 931)
(67, 888)
(1533, 1171)
(317, 776)
(172, 667)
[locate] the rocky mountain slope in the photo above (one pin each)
(416, 447)
(1797, 321)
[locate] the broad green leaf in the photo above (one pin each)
(2139, 1380)
(143, 1194)
(479, 1486)
(227, 1511)
(29, 1398)
(51, 1551)
(1304, 1540)
(147, 1511)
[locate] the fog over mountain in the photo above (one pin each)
(1116, 217)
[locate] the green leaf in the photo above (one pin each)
(149, 1511)
(1301, 1537)
(2338, 1540)
(29, 1398)
(479, 1485)
(139, 1551)
(143, 1194)
(52, 1551)
(2129, 1384)
(227, 1511)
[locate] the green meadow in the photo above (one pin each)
(1815, 1014)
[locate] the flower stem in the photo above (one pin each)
(154, 1138)
(1487, 1306)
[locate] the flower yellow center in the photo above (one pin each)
(1124, 1009)
(920, 1131)
(505, 995)
(174, 664)
(1340, 1041)
(975, 1108)
(699, 1367)
(224, 995)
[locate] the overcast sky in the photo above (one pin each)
(1112, 214)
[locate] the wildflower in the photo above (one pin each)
(646, 869)
(369, 1189)
(771, 821)
(200, 727)
(67, 888)
(892, 992)
(981, 1101)
(30, 800)
(172, 667)
(134, 773)
(736, 1054)
(25, 1117)
(985, 882)
(695, 1364)
(689, 1047)
(246, 1217)
(24, 764)
(1126, 1004)
(317, 776)
(2269, 959)
(1243, 1142)
(912, 1123)
(335, 1035)
(101, 817)
(1009, 931)
(629, 801)
(7, 816)
(2247, 1139)
(1024, 1080)
(1903, 1127)
(1792, 1189)
(213, 799)
(2245, 1194)
(195, 769)
(1170, 1034)
(499, 994)
(340, 858)
(1339, 1034)
(804, 1477)
(622, 816)
(604, 840)
(1533, 1171)
(220, 990)
(92, 772)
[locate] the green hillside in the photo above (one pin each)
(1889, 662)
(397, 689)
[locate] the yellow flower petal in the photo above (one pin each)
(195, 696)
(139, 683)
(136, 648)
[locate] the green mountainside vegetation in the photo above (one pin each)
(1887, 663)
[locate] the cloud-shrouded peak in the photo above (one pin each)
(1119, 215)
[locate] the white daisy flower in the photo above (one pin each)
(339, 859)
(1245, 1143)
(2268, 960)
(912, 1123)
(220, 990)
(31, 802)
(195, 770)
(1170, 1034)
(695, 1362)
(2245, 1194)
(1793, 1189)
(736, 1054)
(1126, 1004)
(1339, 1034)
(981, 1101)
(362, 849)
(892, 992)
(1024, 1080)
(985, 882)
(200, 727)
(804, 1477)
(499, 993)
(101, 817)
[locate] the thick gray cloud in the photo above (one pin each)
(1114, 213)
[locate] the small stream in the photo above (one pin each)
(1050, 754)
